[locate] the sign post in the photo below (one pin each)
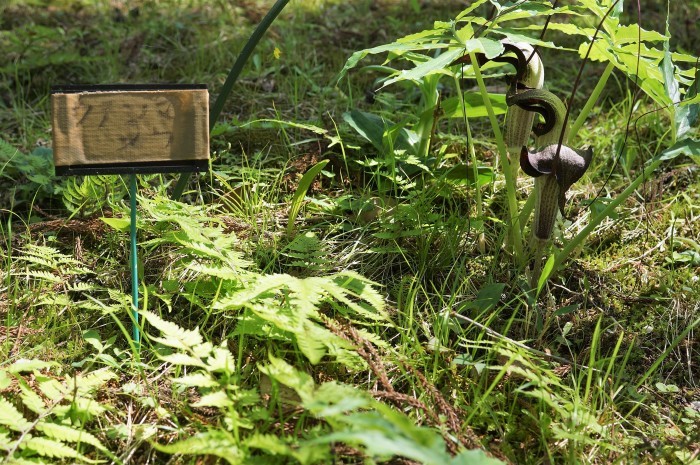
(130, 129)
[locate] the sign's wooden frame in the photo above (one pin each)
(130, 129)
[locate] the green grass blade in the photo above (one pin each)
(300, 193)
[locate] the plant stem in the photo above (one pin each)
(590, 102)
(475, 169)
(513, 220)
(424, 128)
(232, 78)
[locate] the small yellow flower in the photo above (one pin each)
(277, 53)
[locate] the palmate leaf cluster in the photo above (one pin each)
(642, 55)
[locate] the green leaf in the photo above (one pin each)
(435, 65)
(286, 374)
(54, 449)
(546, 271)
(277, 123)
(269, 443)
(202, 380)
(67, 434)
(300, 193)
(420, 41)
(23, 365)
(120, 224)
(373, 128)
(174, 336)
(181, 359)
(683, 147)
(689, 112)
(31, 399)
(215, 442)
(10, 417)
(453, 107)
(472, 6)
(217, 399)
(475, 457)
(487, 298)
(5, 380)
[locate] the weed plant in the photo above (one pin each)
(353, 282)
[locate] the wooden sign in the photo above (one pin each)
(128, 129)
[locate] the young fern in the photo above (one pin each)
(56, 415)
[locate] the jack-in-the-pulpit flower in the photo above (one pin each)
(554, 174)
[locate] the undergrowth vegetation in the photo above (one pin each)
(359, 277)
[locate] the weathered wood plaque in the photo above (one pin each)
(124, 129)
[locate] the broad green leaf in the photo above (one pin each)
(632, 33)
(489, 47)
(373, 127)
(487, 298)
(120, 224)
(689, 112)
(683, 147)
(395, 47)
(438, 65)
(472, 6)
(453, 107)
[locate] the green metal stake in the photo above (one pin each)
(134, 263)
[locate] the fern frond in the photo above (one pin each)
(67, 434)
(86, 385)
(11, 417)
(91, 193)
(23, 461)
(201, 380)
(174, 336)
(53, 449)
(218, 399)
(51, 388)
(215, 442)
(31, 399)
(178, 358)
(308, 252)
(44, 276)
(24, 365)
(221, 360)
